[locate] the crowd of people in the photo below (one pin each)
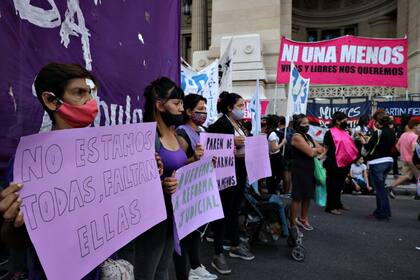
(62, 91)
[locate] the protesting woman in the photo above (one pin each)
(380, 161)
(341, 152)
(304, 149)
(361, 130)
(276, 140)
(195, 115)
(231, 106)
(406, 146)
(65, 95)
(154, 248)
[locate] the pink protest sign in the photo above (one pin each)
(196, 201)
(346, 60)
(257, 160)
(220, 147)
(87, 192)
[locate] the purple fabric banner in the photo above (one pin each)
(126, 44)
(257, 158)
(87, 192)
(196, 201)
(220, 147)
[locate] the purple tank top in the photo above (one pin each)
(172, 160)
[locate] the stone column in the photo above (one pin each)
(199, 25)
(383, 27)
(402, 18)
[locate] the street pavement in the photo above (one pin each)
(351, 246)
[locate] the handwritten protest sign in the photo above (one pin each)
(257, 160)
(196, 201)
(87, 192)
(220, 146)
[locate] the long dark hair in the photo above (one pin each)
(297, 120)
(363, 121)
(337, 116)
(190, 102)
(382, 118)
(160, 89)
(227, 100)
(272, 123)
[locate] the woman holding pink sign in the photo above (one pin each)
(195, 115)
(231, 105)
(154, 248)
(64, 91)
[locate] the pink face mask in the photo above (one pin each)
(78, 116)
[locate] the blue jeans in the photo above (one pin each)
(378, 174)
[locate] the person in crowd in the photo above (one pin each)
(380, 161)
(395, 153)
(341, 152)
(416, 160)
(66, 97)
(247, 124)
(286, 133)
(416, 153)
(231, 108)
(153, 249)
(304, 149)
(361, 130)
(359, 177)
(362, 126)
(400, 129)
(287, 157)
(276, 141)
(264, 129)
(406, 146)
(195, 115)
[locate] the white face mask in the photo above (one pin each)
(238, 114)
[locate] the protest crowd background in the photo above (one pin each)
(120, 159)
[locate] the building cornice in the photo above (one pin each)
(343, 16)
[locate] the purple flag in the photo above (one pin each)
(87, 192)
(126, 44)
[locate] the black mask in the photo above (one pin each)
(343, 125)
(303, 129)
(172, 120)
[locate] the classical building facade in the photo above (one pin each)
(257, 27)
